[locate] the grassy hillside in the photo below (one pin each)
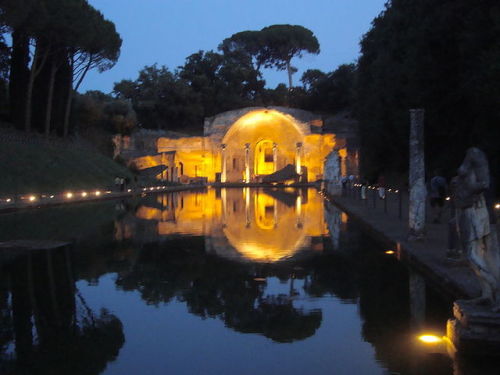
(36, 167)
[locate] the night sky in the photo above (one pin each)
(167, 31)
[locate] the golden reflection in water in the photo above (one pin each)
(258, 225)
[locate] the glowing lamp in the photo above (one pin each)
(32, 198)
(51, 197)
(390, 252)
(8, 200)
(97, 193)
(69, 195)
(497, 206)
(430, 339)
(447, 198)
(84, 194)
(129, 190)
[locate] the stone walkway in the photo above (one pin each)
(388, 223)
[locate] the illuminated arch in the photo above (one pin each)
(258, 123)
(261, 142)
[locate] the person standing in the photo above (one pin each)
(437, 195)
(381, 187)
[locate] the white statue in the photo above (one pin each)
(478, 241)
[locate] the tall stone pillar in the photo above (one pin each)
(247, 163)
(418, 192)
(163, 163)
(223, 175)
(275, 157)
(298, 157)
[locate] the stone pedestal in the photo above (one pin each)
(475, 331)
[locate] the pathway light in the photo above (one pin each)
(430, 339)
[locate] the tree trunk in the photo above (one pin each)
(289, 70)
(29, 96)
(50, 95)
(19, 77)
(67, 109)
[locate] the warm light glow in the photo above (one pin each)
(8, 200)
(84, 194)
(497, 206)
(129, 190)
(51, 197)
(97, 193)
(390, 252)
(430, 339)
(248, 223)
(69, 195)
(447, 198)
(32, 198)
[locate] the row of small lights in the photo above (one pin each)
(497, 205)
(376, 187)
(71, 195)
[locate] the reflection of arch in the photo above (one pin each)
(265, 211)
(263, 157)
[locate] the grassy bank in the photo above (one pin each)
(39, 167)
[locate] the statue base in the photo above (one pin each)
(475, 330)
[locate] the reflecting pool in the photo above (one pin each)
(217, 281)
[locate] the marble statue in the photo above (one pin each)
(478, 239)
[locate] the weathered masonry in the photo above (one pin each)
(245, 145)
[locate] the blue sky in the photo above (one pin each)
(167, 31)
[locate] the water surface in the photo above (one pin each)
(231, 281)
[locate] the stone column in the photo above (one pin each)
(163, 163)
(223, 175)
(275, 157)
(297, 157)
(418, 192)
(247, 163)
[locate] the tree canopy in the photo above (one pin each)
(274, 46)
(54, 43)
(441, 56)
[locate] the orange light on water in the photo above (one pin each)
(430, 339)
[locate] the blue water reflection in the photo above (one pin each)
(211, 282)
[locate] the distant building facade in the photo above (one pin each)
(244, 145)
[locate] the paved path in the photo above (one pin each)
(390, 224)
